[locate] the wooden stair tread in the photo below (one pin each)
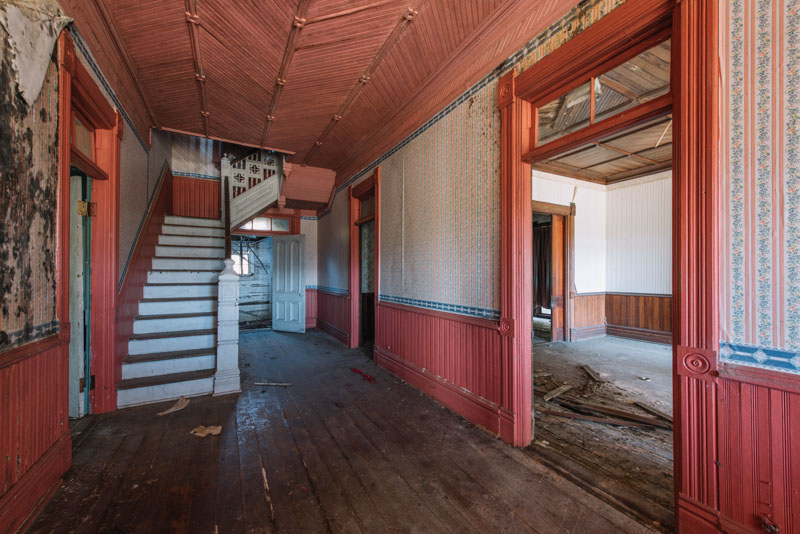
(160, 380)
(174, 316)
(177, 299)
(174, 355)
(188, 246)
(176, 333)
(167, 284)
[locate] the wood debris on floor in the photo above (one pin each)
(333, 453)
(604, 438)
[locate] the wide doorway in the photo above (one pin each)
(602, 268)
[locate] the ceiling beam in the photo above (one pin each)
(193, 20)
(288, 52)
(390, 41)
(346, 12)
(125, 55)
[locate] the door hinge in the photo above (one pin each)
(82, 383)
(87, 209)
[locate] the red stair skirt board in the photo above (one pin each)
(453, 358)
(140, 264)
(196, 197)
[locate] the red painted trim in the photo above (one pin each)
(23, 502)
(140, 263)
(23, 352)
(359, 192)
(516, 263)
(462, 401)
(465, 319)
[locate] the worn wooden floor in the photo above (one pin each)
(331, 453)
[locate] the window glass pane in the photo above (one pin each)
(280, 225)
(262, 223)
(565, 114)
(83, 139)
(636, 81)
(247, 226)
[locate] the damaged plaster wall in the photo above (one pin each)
(28, 187)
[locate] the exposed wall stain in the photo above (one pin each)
(28, 192)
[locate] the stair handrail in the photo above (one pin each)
(227, 203)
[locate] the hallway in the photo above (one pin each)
(338, 453)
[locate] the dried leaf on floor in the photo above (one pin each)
(179, 405)
(203, 431)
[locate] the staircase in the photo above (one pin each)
(172, 351)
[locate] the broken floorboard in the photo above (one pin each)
(332, 453)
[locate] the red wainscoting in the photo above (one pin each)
(311, 308)
(333, 315)
(140, 263)
(759, 461)
(196, 197)
(35, 444)
(453, 358)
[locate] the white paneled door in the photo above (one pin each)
(289, 283)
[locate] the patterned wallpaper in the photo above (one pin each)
(440, 196)
(760, 186)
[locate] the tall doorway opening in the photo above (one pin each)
(364, 244)
(602, 389)
(80, 291)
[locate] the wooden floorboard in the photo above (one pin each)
(330, 453)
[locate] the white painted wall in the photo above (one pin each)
(623, 232)
(193, 156)
(309, 229)
(639, 235)
(590, 225)
(333, 246)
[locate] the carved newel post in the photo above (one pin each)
(226, 380)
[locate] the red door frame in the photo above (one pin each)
(79, 93)
(695, 86)
(366, 188)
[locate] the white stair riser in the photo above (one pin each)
(200, 241)
(171, 344)
(190, 252)
(152, 326)
(192, 221)
(166, 292)
(176, 390)
(182, 277)
(170, 229)
(171, 307)
(188, 264)
(168, 367)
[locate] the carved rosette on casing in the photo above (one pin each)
(697, 363)
(506, 327)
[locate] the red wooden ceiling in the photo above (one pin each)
(418, 66)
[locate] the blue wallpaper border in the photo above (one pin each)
(773, 359)
(471, 311)
(333, 290)
(195, 175)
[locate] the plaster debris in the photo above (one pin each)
(203, 431)
(33, 26)
(180, 404)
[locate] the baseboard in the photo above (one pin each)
(642, 334)
(696, 518)
(333, 331)
(27, 498)
(476, 409)
(587, 332)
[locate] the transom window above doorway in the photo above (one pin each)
(267, 224)
(616, 89)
